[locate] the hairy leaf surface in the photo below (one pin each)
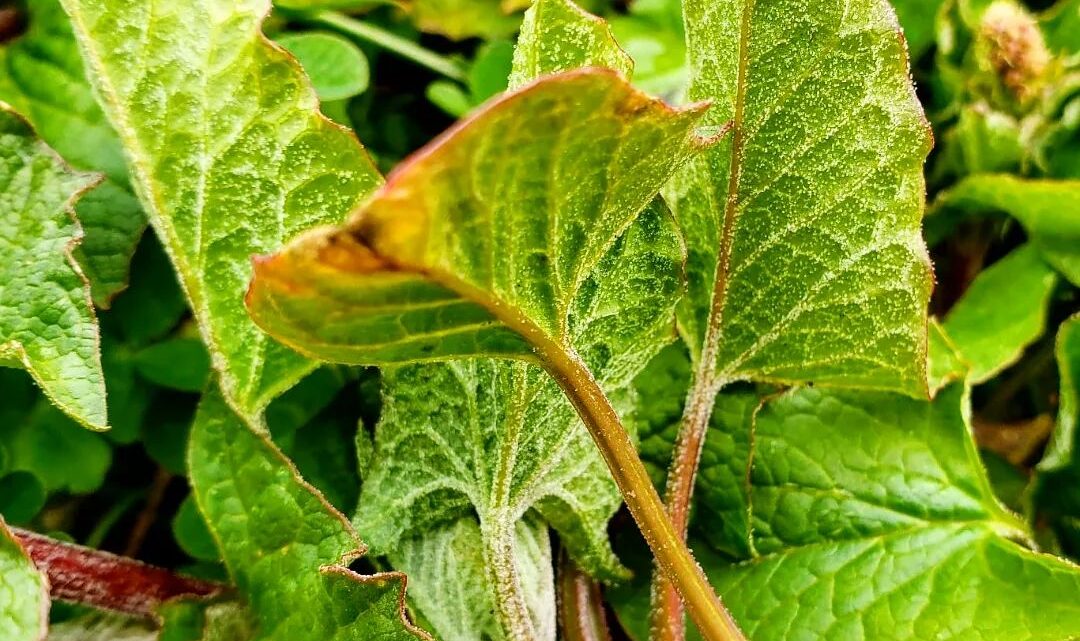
(24, 594)
(557, 36)
(229, 155)
(42, 76)
(1001, 313)
(1049, 211)
(805, 259)
(871, 511)
(47, 322)
(286, 548)
(481, 243)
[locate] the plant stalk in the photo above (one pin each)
(669, 548)
(391, 42)
(101, 580)
(581, 606)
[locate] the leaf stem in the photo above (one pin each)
(391, 42)
(581, 606)
(669, 548)
(101, 580)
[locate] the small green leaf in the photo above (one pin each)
(872, 512)
(24, 594)
(55, 449)
(47, 323)
(21, 497)
(178, 363)
(487, 76)
(153, 304)
(192, 534)
(42, 76)
(450, 97)
(1049, 211)
(336, 66)
(285, 547)
(944, 363)
(653, 35)
(558, 36)
(223, 174)
(990, 334)
(919, 19)
(461, 19)
(1061, 451)
(805, 257)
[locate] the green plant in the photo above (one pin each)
(423, 417)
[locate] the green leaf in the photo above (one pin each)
(487, 76)
(805, 258)
(55, 449)
(1060, 452)
(24, 594)
(286, 549)
(222, 174)
(989, 335)
(448, 584)
(461, 19)
(42, 76)
(653, 35)
(495, 442)
(21, 497)
(1049, 211)
(47, 323)
(188, 620)
(872, 512)
(944, 363)
(178, 363)
(336, 66)
(153, 304)
(558, 36)
(465, 248)
(919, 19)
(192, 534)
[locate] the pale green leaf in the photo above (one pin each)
(805, 258)
(229, 155)
(42, 76)
(24, 593)
(449, 586)
(1061, 451)
(872, 517)
(919, 20)
(47, 322)
(495, 441)
(1002, 312)
(654, 36)
(461, 19)
(944, 363)
(338, 68)
(286, 548)
(1049, 211)
(493, 230)
(558, 36)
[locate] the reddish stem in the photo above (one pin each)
(98, 579)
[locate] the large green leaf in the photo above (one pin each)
(1049, 211)
(229, 155)
(990, 335)
(42, 75)
(47, 322)
(805, 258)
(481, 243)
(871, 517)
(24, 593)
(286, 548)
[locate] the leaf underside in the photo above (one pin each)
(47, 322)
(223, 174)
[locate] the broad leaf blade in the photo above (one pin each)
(486, 235)
(1049, 211)
(47, 322)
(42, 76)
(24, 593)
(557, 36)
(805, 257)
(285, 546)
(871, 511)
(223, 173)
(989, 335)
